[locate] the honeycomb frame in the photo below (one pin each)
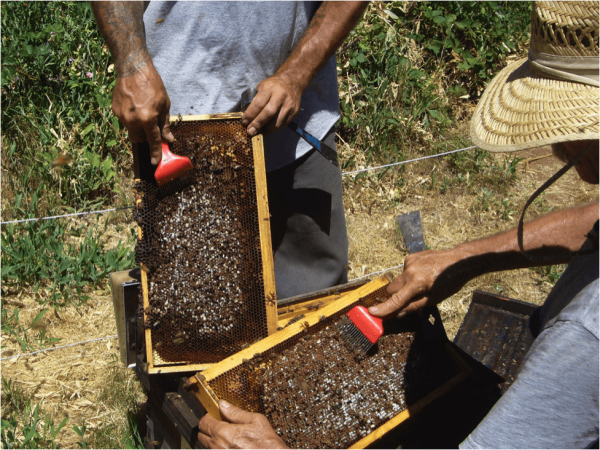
(205, 384)
(225, 121)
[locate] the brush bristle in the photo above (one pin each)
(177, 184)
(353, 336)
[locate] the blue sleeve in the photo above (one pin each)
(553, 403)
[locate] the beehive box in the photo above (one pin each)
(208, 283)
(317, 393)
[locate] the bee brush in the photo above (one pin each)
(360, 330)
(170, 168)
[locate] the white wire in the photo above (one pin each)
(377, 273)
(66, 215)
(114, 336)
(56, 348)
(409, 161)
(343, 173)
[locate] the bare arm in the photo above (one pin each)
(279, 95)
(140, 99)
(430, 277)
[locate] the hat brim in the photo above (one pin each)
(520, 110)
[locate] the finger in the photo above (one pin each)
(414, 306)
(136, 135)
(397, 302)
(165, 129)
(268, 113)
(256, 106)
(233, 414)
(205, 441)
(166, 134)
(285, 115)
(208, 424)
(396, 284)
(154, 140)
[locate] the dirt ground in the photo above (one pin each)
(68, 381)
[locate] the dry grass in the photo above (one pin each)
(73, 381)
(448, 219)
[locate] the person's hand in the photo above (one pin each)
(428, 278)
(274, 107)
(239, 429)
(141, 103)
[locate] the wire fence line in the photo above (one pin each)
(377, 273)
(343, 174)
(58, 348)
(408, 161)
(115, 335)
(66, 215)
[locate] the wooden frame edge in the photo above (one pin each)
(264, 229)
(306, 307)
(281, 335)
(175, 369)
(464, 371)
(207, 397)
(146, 303)
(201, 117)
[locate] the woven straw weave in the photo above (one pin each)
(521, 109)
(565, 28)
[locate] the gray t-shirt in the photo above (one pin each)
(553, 402)
(208, 53)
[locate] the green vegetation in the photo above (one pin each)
(56, 109)
(25, 425)
(56, 99)
(120, 393)
(406, 69)
(550, 274)
(409, 75)
(12, 326)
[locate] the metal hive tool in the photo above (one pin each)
(208, 284)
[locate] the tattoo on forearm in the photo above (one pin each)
(121, 24)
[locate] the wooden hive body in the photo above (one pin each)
(233, 379)
(226, 196)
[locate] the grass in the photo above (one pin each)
(120, 393)
(408, 67)
(25, 425)
(409, 75)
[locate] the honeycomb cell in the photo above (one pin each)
(317, 392)
(205, 285)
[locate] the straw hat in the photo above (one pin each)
(551, 96)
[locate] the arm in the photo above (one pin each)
(279, 96)
(240, 429)
(140, 99)
(430, 277)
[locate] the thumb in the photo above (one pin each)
(233, 414)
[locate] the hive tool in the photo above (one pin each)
(325, 150)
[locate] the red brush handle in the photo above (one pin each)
(370, 326)
(166, 154)
(171, 166)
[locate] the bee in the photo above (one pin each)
(271, 300)
(305, 325)
(160, 20)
